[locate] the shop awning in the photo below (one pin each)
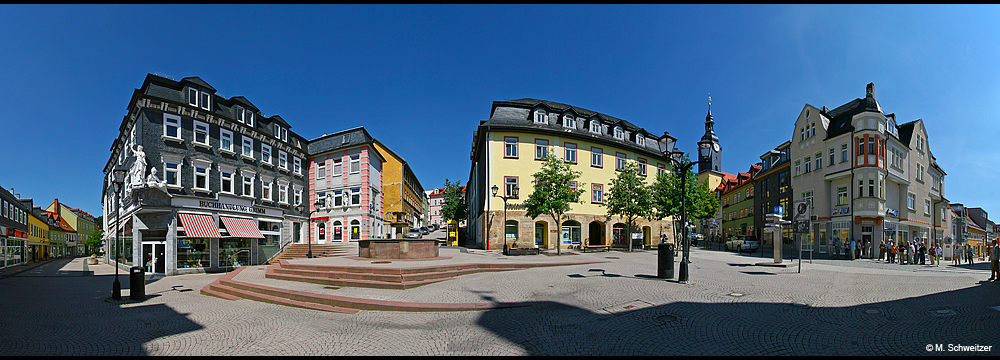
(239, 227)
(199, 226)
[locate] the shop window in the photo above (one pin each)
(355, 230)
(234, 252)
(193, 252)
(338, 231)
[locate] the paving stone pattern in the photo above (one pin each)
(615, 307)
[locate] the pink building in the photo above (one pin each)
(345, 175)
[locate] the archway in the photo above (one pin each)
(510, 231)
(542, 234)
(596, 229)
(570, 234)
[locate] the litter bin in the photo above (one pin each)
(665, 261)
(137, 283)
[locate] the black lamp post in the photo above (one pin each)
(301, 208)
(118, 178)
(513, 194)
(683, 167)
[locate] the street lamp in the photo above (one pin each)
(513, 194)
(676, 158)
(319, 202)
(118, 178)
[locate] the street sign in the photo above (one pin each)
(801, 213)
(103, 242)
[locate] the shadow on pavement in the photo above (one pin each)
(741, 326)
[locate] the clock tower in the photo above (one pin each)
(709, 151)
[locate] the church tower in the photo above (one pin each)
(709, 150)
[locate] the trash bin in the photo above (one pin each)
(665, 261)
(137, 283)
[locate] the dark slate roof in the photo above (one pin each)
(906, 132)
(840, 118)
(334, 141)
(198, 81)
(518, 113)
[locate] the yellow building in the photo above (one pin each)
(510, 147)
(402, 193)
(82, 223)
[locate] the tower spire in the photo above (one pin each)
(709, 121)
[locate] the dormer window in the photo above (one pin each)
(639, 140)
(240, 113)
(250, 118)
(199, 98)
(193, 97)
(541, 117)
(619, 133)
(280, 132)
(205, 99)
(568, 121)
(595, 126)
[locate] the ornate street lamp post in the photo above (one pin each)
(513, 195)
(118, 178)
(301, 208)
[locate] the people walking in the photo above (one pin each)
(995, 261)
(881, 250)
(969, 254)
(937, 253)
(920, 253)
(836, 247)
(891, 246)
(853, 244)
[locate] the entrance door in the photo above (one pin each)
(541, 229)
(147, 258)
(160, 266)
(154, 258)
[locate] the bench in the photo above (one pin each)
(533, 250)
(604, 247)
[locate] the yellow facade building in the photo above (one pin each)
(402, 193)
(510, 147)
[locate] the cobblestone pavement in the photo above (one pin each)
(616, 307)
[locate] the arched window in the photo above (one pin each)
(510, 231)
(541, 117)
(568, 121)
(618, 234)
(570, 233)
(355, 230)
(337, 231)
(321, 231)
(619, 133)
(595, 126)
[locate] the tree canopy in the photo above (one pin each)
(453, 207)
(629, 197)
(553, 191)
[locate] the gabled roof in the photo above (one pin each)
(906, 132)
(198, 81)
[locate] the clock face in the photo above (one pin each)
(716, 146)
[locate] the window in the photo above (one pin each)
(338, 231)
(248, 183)
(265, 153)
(338, 168)
(813, 130)
(598, 193)
(321, 231)
(798, 167)
(568, 121)
(265, 189)
(283, 192)
(192, 97)
(172, 171)
(541, 117)
(843, 152)
(808, 195)
(841, 195)
(642, 166)
(619, 133)
(927, 207)
(871, 187)
(510, 147)
(321, 170)
(226, 178)
(595, 126)
(297, 191)
(355, 163)
(284, 134)
(920, 172)
(896, 157)
(172, 126)
(344, 140)
(833, 157)
(509, 183)
(570, 152)
(819, 160)
(338, 198)
(911, 200)
(355, 196)
(596, 157)
(861, 188)
(861, 146)
(620, 159)
(296, 165)
(808, 162)
(247, 147)
(200, 133)
(204, 101)
(226, 140)
(282, 160)
(355, 230)
(277, 131)
(239, 113)
(250, 118)
(541, 149)
(660, 169)
(871, 146)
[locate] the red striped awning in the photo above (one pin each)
(239, 227)
(199, 226)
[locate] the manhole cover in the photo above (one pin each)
(381, 262)
(872, 312)
(610, 257)
(666, 318)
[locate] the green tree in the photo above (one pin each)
(453, 207)
(666, 194)
(553, 194)
(628, 197)
(93, 241)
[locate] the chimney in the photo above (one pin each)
(870, 90)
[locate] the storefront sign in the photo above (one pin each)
(841, 210)
(891, 212)
(226, 203)
(230, 207)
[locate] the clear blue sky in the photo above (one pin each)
(420, 78)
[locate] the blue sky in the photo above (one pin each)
(420, 78)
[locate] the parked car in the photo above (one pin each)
(414, 233)
(424, 230)
(742, 243)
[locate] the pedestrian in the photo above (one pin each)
(923, 253)
(954, 254)
(854, 244)
(912, 252)
(968, 253)
(930, 254)
(891, 247)
(995, 261)
(836, 246)
(881, 250)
